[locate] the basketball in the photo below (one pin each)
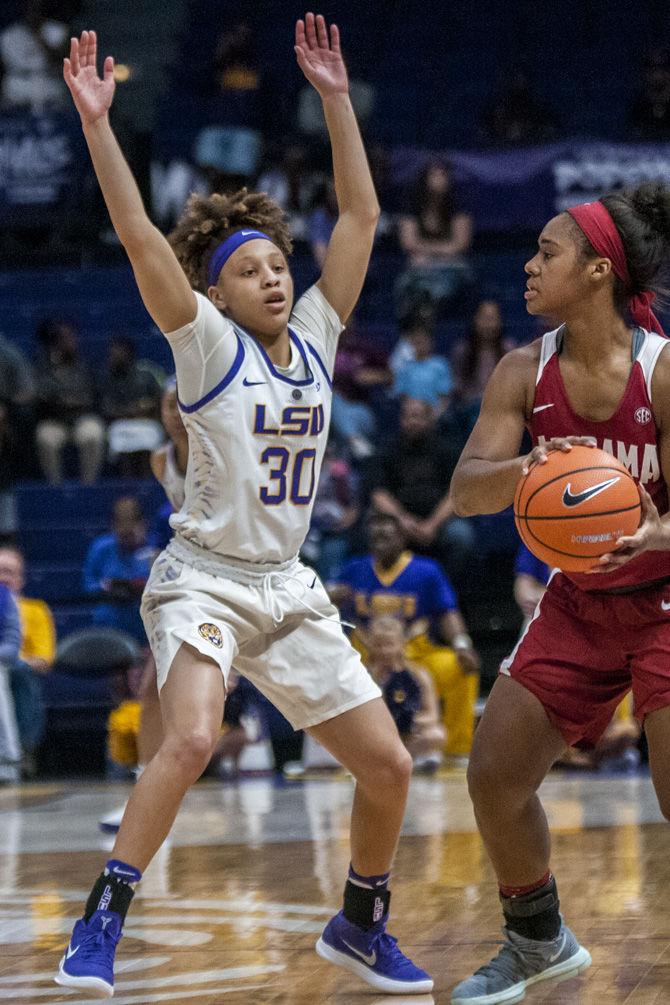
(572, 509)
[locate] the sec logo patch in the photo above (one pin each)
(211, 633)
(643, 416)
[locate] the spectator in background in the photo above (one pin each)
(35, 658)
(336, 510)
(360, 378)
(228, 150)
(392, 581)
(436, 238)
(410, 480)
(286, 180)
(116, 569)
(17, 384)
(130, 402)
(66, 406)
(31, 61)
(321, 221)
(409, 694)
(650, 113)
(428, 376)
(12, 447)
(474, 360)
(516, 115)
(10, 641)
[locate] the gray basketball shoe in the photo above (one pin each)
(520, 964)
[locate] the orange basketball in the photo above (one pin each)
(572, 509)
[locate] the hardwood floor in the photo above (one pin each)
(230, 909)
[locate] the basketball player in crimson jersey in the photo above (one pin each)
(603, 378)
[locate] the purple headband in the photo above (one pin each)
(222, 253)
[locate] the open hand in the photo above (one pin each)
(319, 58)
(651, 535)
(91, 94)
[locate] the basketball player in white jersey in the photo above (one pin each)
(254, 384)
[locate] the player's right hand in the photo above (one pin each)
(538, 455)
(91, 94)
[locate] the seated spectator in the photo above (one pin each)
(17, 384)
(650, 113)
(336, 510)
(130, 402)
(31, 61)
(10, 642)
(66, 406)
(427, 377)
(403, 350)
(286, 180)
(410, 480)
(13, 447)
(392, 581)
(474, 360)
(228, 150)
(516, 115)
(360, 380)
(408, 692)
(616, 749)
(436, 239)
(116, 569)
(36, 655)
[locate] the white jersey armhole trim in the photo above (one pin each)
(652, 347)
(549, 345)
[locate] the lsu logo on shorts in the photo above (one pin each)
(212, 634)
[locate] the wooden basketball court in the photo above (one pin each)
(229, 911)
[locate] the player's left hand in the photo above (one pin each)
(319, 57)
(651, 535)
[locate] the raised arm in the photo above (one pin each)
(348, 255)
(162, 283)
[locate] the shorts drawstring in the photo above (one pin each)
(273, 579)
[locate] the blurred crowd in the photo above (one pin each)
(384, 536)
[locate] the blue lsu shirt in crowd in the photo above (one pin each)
(413, 588)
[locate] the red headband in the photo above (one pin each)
(600, 230)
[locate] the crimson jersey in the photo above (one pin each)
(631, 435)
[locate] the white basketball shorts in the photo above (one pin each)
(276, 624)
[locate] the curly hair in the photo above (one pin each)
(208, 220)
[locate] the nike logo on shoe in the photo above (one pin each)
(552, 959)
(253, 383)
(370, 960)
(570, 499)
(70, 952)
(541, 408)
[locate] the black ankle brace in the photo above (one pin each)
(534, 915)
(364, 907)
(109, 894)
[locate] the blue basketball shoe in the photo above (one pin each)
(88, 963)
(372, 955)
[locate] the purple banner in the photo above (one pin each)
(521, 189)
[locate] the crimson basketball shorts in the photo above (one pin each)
(582, 652)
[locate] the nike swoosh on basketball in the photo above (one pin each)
(574, 500)
(252, 383)
(665, 605)
(370, 960)
(552, 959)
(541, 408)
(71, 952)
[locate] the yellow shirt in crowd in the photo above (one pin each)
(37, 630)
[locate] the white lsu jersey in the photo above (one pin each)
(257, 432)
